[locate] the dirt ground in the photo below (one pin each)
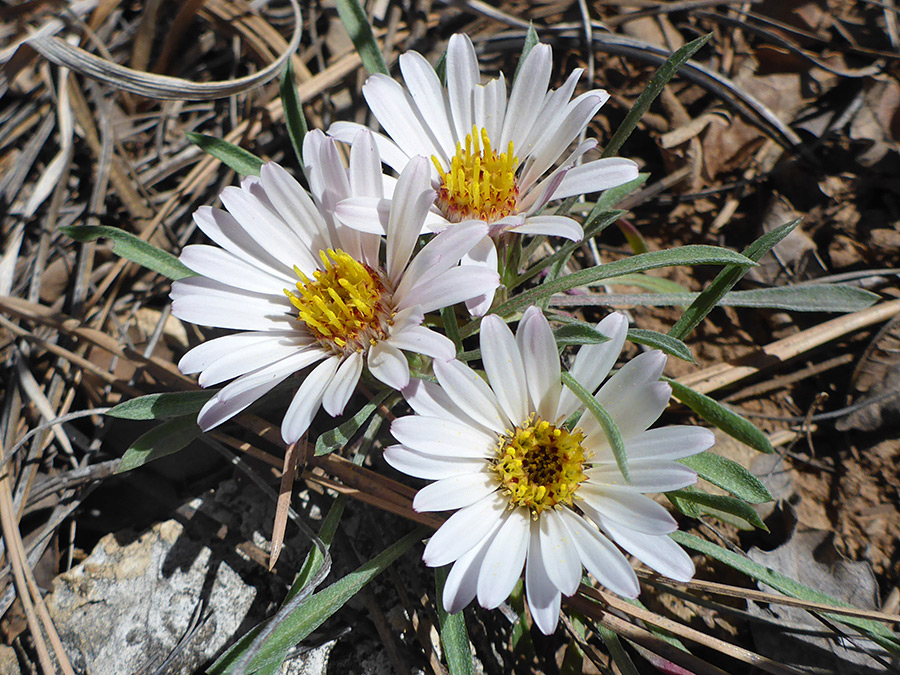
(792, 112)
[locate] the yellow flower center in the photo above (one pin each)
(540, 465)
(343, 306)
(480, 183)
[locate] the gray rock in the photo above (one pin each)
(130, 608)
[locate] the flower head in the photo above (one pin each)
(304, 291)
(529, 490)
(493, 156)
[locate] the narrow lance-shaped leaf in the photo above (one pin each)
(132, 248)
(617, 652)
(294, 119)
(293, 624)
(578, 333)
(162, 406)
(338, 437)
(161, 441)
(780, 582)
(665, 343)
(531, 39)
(454, 635)
(357, 24)
(728, 475)
(607, 423)
(683, 255)
(721, 417)
(693, 502)
(654, 88)
(242, 161)
(726, 279)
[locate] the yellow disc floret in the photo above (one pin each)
(540, 465)
(480, 183)
(343, 306)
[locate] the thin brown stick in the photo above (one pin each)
(283, 503)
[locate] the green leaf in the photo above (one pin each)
(162, 406)
(454, 635)
(165, 439)
(683, 255)
(604, 418)
(451, 326)
(531, 39)
(315, 610)
(578, 333)
(728, 475)
(617, 651)
(338, 437)
(740, 562)
(721, 417)
(693, 502)
(357, 24)
(659, 285)
(661, 341)
(294, 119)
(132, 248)
(654, 88)
(726, 279)
(243, 162)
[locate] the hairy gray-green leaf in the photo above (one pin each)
(694, 502)
(728, 475)
(454, 635)
(357, 24)
(132, 248)
(162, 406)
(294, 119)
(242, 161)
(610, 428)
(578, 333)
(721, 417)
(661, 341)
(161, 441)
(337, 438)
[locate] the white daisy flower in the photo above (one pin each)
(527, 490)
(304, 290)
(492, 155)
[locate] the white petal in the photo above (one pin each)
(528, 90)
(450, 287)
(422, 340)
(490, 109)
(436, 436)
(365, 214)
(388, 364)
(633, 396)
(646, 475)
(429, 467)
(390, 152)
(462, 581)
(542, 595)
(600, 557)
(538, 348)
(553, 226)
(258, 355)
(472, 394)
(463, 530)
(443, 252)
(307, 400)
(672, 442)
(593, 362)
(224, 229)
(537, 196)
(627, 507)
(483, 254)
(504, 368)
(658, 553)
(561, 561)
(455, 492)
(207, 353)
(342, 385)
(365, 166)
(209, 303)
(412, 199)
(462, 76)
(242, 392)
(394, 109)
(502, 564)
(216, 263)
(429, 400)
(595, 176)
(293, 205)
(428, 93)
(551, 106)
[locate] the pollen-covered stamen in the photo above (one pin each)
(344, 305)
(540, 465)
(480, 183)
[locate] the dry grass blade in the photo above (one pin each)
(288, 473)
(159, 86)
